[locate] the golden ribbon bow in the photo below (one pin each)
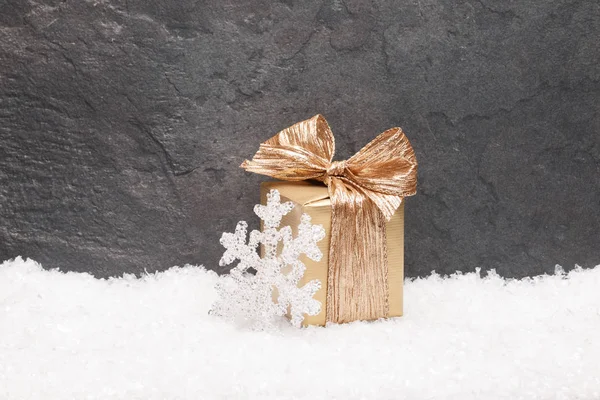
(365, 191)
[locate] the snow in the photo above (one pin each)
(70, 336)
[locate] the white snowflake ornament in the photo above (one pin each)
(249, 297)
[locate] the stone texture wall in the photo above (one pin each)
(123, 123)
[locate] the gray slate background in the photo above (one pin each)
(123, 123)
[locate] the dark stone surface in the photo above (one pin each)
(122, 123)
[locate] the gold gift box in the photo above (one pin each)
(313, 199)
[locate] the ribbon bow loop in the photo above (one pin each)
(302, 151)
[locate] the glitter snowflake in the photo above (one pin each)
(250, 297)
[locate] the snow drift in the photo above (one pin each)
(68, 335)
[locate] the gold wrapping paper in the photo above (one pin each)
(313, 199)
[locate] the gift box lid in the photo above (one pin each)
(305, 193)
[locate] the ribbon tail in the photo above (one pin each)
(357, 287)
